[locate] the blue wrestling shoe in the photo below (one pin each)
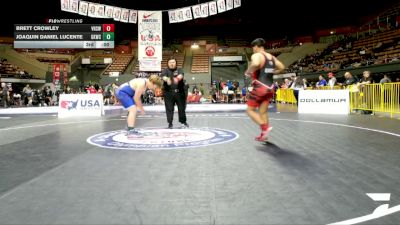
(133, 134)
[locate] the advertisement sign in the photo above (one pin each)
(65, 75)
(149, 38)
(56, 74)
(324, 101)
(77, 105)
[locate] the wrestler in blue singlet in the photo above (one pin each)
(125, 95)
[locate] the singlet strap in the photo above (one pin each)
(266, 59)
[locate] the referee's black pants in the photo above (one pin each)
(170, 99)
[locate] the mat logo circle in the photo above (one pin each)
(159, 138)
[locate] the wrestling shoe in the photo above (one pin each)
(184, 126)
(133, 134)
(264, 135)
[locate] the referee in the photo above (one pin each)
(174, 93)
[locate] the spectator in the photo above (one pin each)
(350, 79)
(321, 82)
(27, 90)
(332, 80)
(385, 79)
(297, 85)
(367, 79)
(4, 95)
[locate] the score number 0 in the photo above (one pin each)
(108, 27)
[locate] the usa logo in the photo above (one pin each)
(159, 138)
(69, 104)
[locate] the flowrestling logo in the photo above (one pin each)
(167, 139)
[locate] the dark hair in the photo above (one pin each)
(172, 58)
(259, 42)
(176, 63)
(299, 81)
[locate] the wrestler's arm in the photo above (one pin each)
(279, 66)
(255, 63)
(138, 93)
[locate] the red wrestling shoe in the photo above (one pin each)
(264, 135)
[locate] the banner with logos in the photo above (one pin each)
(97, 10)
(56, 74)
(324, 101)
(150, 40)
(65, 75)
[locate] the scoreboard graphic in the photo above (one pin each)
(89, 36)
